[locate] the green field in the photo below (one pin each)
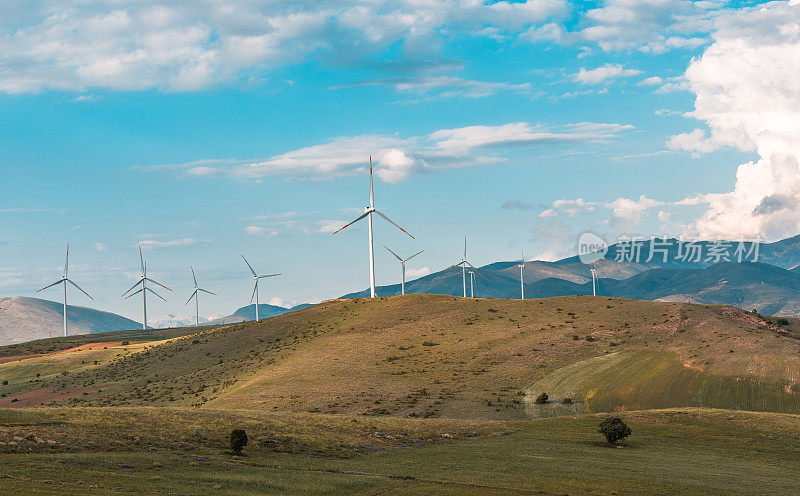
(419, 394)
(144, 451)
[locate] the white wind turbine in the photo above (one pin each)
(143, 280)
(368, 211)
(196, 296)
(64, 280)
(403, 267)
(256, 277)
(594, 283)
(463, 264)
(522, 276)
(471, 284)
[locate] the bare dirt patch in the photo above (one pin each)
(83, 347)
(42, 397)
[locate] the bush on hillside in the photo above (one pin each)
(542, 399)
(238, 440)
(125, 343)
(614, 429)
(567, 401)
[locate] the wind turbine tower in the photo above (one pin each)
(403, 267)
(64, 280)
(143, 280)
(471, 284)
(196, 296)
(368, 211)
(463, 264)
(522, 276)
(594, 283)
(256, 277)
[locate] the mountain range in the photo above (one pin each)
(668, 270)
(25, 319)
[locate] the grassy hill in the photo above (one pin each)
(437, 356)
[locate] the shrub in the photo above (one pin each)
(567, 401)
(614, 429)
(125, 343)
(783, 322)
(238, 440)
(5, 383)
(542, 399)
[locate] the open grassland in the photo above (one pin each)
(174, 451)
(439, 356)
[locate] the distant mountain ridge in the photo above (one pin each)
(248, 313)
(24, 319)
(662, 269)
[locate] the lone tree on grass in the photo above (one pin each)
(542, 399)
(614, 429)
(238, 440)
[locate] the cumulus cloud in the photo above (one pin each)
(603, 74)
(626, 214)
(189, 45)
(396, 158)
(747, 94)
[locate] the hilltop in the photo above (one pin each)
(440, 356)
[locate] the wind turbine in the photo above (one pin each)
(368, 211)
(471, 284)
(522, 276)
(196, 297)
(403, 266)
(64, 280)
(143, 280)
(256, 277)
(463, 264)
(594, 284)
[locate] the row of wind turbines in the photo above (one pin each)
(143, 289)
(369, 210)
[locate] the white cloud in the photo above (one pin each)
(277, 301)
(329, 226)
(695, 142)
(747, 94)
(100, 246)
(626, 214)
(416, 273)
(603, 73)
(651, 81)
(517, 205)
(150, 243)
(444, 86)
(260, 231)
(189, 45)
(396, 159)
(573, 207)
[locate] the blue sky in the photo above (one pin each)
(204, 130)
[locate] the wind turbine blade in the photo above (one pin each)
(128, 291)
(51, 285)
(353, 222)
(158, 283)
(194, 277)
(255, 288)
(412, 256)
(190, 298)
(395, 225)
(476, 270)
(269, 275)
(465, 247)
(141, 259)
(134, 294)
(206, 291)
(66, 262)
(250, 266)
(153, 292)
(393, 253)
(79, 288)
(371, 192)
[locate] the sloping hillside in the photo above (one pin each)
(25, 319)
(424, 355)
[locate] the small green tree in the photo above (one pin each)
(614, 429)
(542, 399)
(238, 440)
